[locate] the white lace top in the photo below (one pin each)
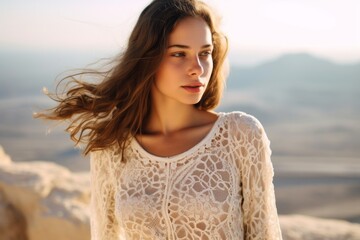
(219, 189)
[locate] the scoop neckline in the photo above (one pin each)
(135, 144)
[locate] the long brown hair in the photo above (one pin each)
(117, 107)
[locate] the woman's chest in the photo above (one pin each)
(157, 195)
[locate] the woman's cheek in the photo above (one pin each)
(176, 65)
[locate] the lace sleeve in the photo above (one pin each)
(102, 216)
(260, 219)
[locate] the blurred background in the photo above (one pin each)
(295, 65)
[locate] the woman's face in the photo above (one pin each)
(186, 68)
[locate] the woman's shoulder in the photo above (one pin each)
(106, 153)
(245, 127)
(242, 121)
(106, 160)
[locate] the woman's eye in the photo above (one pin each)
(206, 53)
(178, 54)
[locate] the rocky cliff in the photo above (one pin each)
(42, 201)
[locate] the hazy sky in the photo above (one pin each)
(257, 29)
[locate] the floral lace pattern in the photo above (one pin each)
(219, 189)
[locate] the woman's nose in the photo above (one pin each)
(196, 67)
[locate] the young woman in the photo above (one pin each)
(163, 164)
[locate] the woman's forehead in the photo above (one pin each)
(191, 31)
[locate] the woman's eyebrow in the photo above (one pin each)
(187, 47)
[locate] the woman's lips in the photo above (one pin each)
(193, 89)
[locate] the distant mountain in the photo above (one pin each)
(297, 70)
(303, 79)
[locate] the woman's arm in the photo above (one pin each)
(260, 214)
(102, 215)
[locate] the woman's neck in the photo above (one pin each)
(172, 117)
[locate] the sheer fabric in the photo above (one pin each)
(219, 189)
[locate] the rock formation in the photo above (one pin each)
(4, 158)
(43, 201)
(297, 227)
